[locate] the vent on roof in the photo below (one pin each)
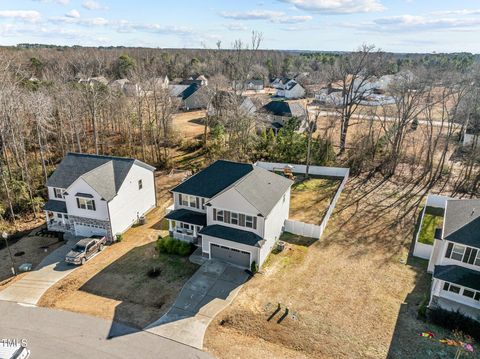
(473, 212)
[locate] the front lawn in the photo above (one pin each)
(427, 231)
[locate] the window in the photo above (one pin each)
(477, 296)
(192, 202)
(59, 193)
(184, 200)
(140, 184)
(451, 288)
(234, 218)
(85, 203)
(220, 216)
(477, 260)
(457, 252)
(249, 221)
(59, 215)
(203, 203)
(468, 293)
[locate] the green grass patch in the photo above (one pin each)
(427, 231)
(315, 184)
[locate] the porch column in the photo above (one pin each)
(170, 227)
(47, 218)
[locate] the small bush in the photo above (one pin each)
(119, 237)
(170, 245)
(455, 321)
(254, 267)
(422, 309)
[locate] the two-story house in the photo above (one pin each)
(455, 260)
(104, 195)
(233, 211)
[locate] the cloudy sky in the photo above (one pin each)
(393, 25)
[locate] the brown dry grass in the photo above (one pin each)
(34, 248)
(310, 199)
(189, 124)
(112, 284)
(344, 292)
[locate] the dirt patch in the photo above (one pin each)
(189, 124)
(28, 249)
(309, 199)
(346, 294)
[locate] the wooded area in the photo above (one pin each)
(46, 112)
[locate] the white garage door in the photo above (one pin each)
(230, 255)
(85, 230)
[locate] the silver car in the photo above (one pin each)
(85, 249)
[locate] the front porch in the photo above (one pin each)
(452, 305)
(56, 216)
(185, 225)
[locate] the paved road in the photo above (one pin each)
(57, 334)
(210, 290)
(33, 285)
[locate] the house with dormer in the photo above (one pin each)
(98, 195)
(233, 211)
(455, 259)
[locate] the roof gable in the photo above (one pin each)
(462, 222)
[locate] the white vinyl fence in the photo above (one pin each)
(422, 250)
(307, 229)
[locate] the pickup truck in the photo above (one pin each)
(85, 249)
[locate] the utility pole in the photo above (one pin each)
(5, 237)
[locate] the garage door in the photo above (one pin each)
(87, 231)
(230, 255)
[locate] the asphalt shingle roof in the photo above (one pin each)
(188, 216)
(285, 109)
(462, 222)
(458, 275)
(105, 174)
(232, 234)
(55, 206)
(214, 179)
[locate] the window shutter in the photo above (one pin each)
(180, 199)
(466, 255)
(78, 202)
(242, 220)
(254, 222)
(449, 250)
(197, 202)
(93, 204)
(214, 214)
(472, 256)
(227, 217)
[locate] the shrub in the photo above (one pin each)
(119, 237)
(254, 267)
(422, 309)
(455, 321)
(170, 245)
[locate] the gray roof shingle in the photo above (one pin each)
(188, 216)
(105, 174)
(55, 206)
(458, 275)
(232, 234)
(462, 222)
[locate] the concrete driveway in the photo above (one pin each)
(210, 290)
(33, 285)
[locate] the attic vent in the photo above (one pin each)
(473, 212)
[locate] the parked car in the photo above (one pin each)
(85, 249)
(13, 351)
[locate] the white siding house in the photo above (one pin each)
(455, 260)
(232, 211)
(103, 195)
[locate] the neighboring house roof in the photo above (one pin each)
(188, 216)
(291, 84)
(214, 179)
(232, 234)
(262, 189)
(176, 90)
(285, 109)
(189, 91)
(462, 222)
(458, 275)
(55, 206)
(105, 174)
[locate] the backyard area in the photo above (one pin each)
(310, 199)
(304, 301)
(432, 220)
(189, 124)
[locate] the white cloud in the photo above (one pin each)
(61, 2)
(464, 12)
(97, 21)
(73, 13)
(25, 15)
(338, 6)
(93, 5)
(273, 16)
(236, 27)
